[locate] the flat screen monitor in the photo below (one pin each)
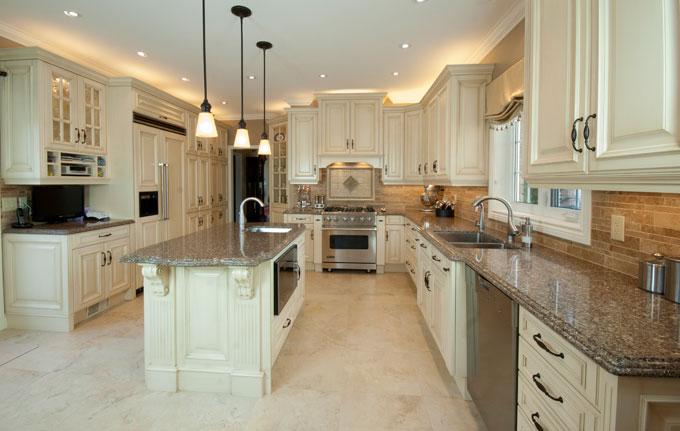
(57, 203)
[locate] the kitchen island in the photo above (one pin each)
(209, 320)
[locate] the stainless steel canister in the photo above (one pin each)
(672, 291)
(652, 274)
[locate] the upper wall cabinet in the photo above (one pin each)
(605, 73)
(52, 121)
(350, 124)
(303, 138)
(393, 144)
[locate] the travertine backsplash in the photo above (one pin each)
(652, 222)
(9, 195)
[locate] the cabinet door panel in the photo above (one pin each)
(89, 281)
(64, 125)
(394, 240)
(555, 79)
(336, 128)
(364, 127)
(442, 146)
(203, 184)
(148, 154)
(191, 183)
(92, 105)
(309, 243)
(413, 145)
(393, 137)
(471, 159)
(174, 157)
(303, 138)
(120, 272)
(637, 91)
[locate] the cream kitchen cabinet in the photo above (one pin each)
(303, 139)
(80, 275)
(617, 92)
(454, 135)
(413, 145)
(312, 234)
(350, 124)
(53, 120)
(393, 145)
(394, 242)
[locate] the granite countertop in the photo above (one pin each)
(68, 228)
(222, 245)
(625, 330)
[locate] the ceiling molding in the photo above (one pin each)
(248, 117)
(12, 33)
(498, 32)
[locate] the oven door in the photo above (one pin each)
(349, 248)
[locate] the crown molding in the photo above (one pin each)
(12, 33)
(249, 117)
(498, 32)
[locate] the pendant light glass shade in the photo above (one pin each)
(265, 149)
(205, 128)
(242, 139)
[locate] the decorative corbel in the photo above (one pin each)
(156, 280)
(243, 279)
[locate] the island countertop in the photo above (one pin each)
(223, 245)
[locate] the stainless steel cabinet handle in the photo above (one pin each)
(417, 239)
(287, 324)
(423, 245)
(110, 257)
(347, 143)
(425, 168)
(574, 135)
(537, 381)
(537, 338)
(436, 259)
(435, 166)
(103, 264)
(446, 269)
(84, 136)
(105, 235)
(420, 169)
(427, 280)
(77, 135)
(536, 424)
(586, 132)
(352, 143)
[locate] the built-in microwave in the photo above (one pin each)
(286, 277)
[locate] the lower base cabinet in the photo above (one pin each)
(312, 236)
(80, 275)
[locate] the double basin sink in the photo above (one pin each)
(472, 240)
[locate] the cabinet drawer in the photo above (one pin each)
(439, 260)
(154, 107)
(577, 369)
(532, 412)
(391, 219)
(557, 395)
(283, 323)
(299, 218)
(102, 235)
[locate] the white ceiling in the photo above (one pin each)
(355, 42)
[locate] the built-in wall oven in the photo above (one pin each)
(349, 238)
(286, 277)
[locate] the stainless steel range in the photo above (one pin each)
(349, 238)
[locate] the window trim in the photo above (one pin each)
(565, 224)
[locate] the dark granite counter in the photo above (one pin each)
(68, 228)
(625, 330)
(222, 245)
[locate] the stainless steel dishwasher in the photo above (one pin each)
(492, 321)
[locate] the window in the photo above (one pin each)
(564, 213)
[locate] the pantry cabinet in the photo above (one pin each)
(350, 124)
(613, 90)
(303, 139)
(53, 127)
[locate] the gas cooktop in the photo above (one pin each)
(348, 209)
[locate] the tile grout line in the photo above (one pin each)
(19, 356)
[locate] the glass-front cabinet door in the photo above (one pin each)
(65, 131)
(92, 127)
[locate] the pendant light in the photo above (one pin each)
(242, 140)
(265, 148)
(205, 127)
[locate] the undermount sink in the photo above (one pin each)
(268, 229)
(472, 240)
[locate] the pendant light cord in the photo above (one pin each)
(205, 67)
(242, 123)
(264, 94)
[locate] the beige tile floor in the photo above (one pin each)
(358, 358)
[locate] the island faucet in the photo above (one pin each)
(513, 231)
(241, 213)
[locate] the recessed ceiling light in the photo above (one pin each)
(224, 102)
(71, 13)
(421, 1)
(395, 73)
(142, 54)
(251, 77)
(323, 75)
(185, 79)
(405, 45)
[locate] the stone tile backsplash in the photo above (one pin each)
(652, 222)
